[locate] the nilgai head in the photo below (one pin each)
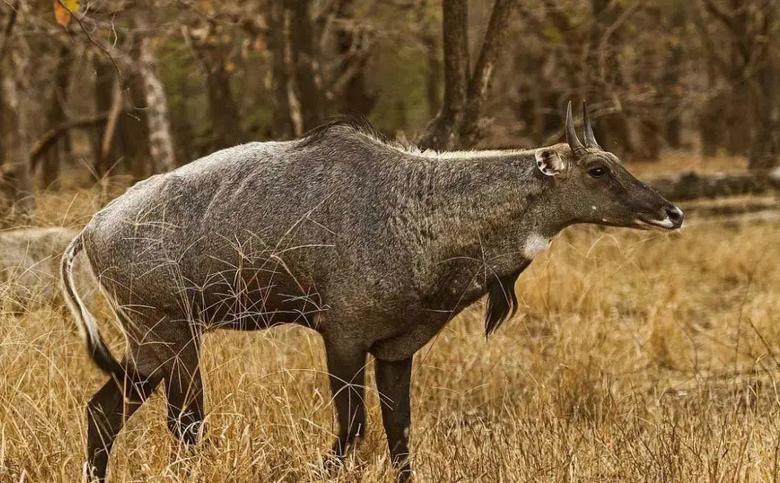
(593, 186)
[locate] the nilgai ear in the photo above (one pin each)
(549, 162)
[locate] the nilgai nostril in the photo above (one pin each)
(675, 215)
(374, 245)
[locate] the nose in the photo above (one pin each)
(675, 215)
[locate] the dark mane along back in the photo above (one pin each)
(357, 124)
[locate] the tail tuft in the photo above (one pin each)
(96, 346)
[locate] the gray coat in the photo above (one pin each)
(353, 237)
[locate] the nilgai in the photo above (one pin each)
(374, 245)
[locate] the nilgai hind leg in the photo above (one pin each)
(155, 358)
(184, 391)
(107, 411)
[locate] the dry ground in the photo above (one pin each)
(634, 356)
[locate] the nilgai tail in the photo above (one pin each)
(96, 347)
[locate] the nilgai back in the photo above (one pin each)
(373, 245)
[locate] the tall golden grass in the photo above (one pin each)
(634, 356)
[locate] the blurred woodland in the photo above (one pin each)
(123, 87)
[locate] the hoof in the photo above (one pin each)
(405, 476)
(332, 462)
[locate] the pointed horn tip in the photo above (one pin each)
(571, 134)
(585, 114)
(590, 138)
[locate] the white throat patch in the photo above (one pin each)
(534, 245)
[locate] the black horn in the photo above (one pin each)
(590, 138)
(571, 134)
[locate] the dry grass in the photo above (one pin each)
(635, 356)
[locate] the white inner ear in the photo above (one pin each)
(548, 162)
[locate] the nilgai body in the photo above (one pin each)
(373, 245)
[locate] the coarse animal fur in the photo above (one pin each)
(374, 245)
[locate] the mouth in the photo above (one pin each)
(665, 224)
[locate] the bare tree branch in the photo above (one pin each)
(457, 123)
(46, 141)
(619, 21)
(440, 132)
(8, 30)
(721, 14)
(111, 124)
(495, 38)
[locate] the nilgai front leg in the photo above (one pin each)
(346, 369)
(393, 380)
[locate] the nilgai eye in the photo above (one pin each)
(597, 172)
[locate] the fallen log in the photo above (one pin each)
(691, 185)
(730, 210)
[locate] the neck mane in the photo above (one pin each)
(484, 217)
(473, 214)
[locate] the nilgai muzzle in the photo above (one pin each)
(374, 245)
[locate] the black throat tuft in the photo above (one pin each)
(502, 300)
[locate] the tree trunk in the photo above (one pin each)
(765, 147)
(673, 131)
(17, 108)
(277, 40)
(56, 116)
(225, 116)
(442, 132)
(3, 121)
(650, 140)
(433, 64)
(352, 45)
(611, 80)
(671, 81)
(123, 137)
(709, 133)
(709, 118)
(303, 58)
(133, 139)
(160, 138)
(479, 86)
(457, 123)
(19, 130)
(109, 136)
(214, 53)
(104, 83)
(739, 121)
(733, 52)
(765, 142)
